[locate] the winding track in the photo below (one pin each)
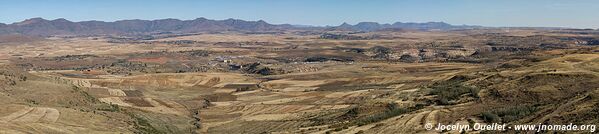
(33, 115)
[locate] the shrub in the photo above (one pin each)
(111, 108)
(513, 113)
(143, 125)
(474, 92)
(508, 114)
(490, 117)
(451, 90)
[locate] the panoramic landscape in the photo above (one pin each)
(231, 76)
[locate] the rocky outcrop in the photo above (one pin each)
(591, 42)
(379, 52)
(254, 68)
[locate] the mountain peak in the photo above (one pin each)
(168, 19)
(31, 21)
(61, 20)
(36, 19)
(368, 26)
(200, 19)
(345, 24)
(368, 23)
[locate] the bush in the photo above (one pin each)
(490, 117)
(513, 113)
(474, 92)
(111, 108)
(143, 125)
(451, 90)
(508, 114)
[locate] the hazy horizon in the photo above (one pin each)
(505, 13)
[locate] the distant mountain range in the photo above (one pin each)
(374, 26)
(39, 26)
(43, 27)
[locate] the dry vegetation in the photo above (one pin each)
(377, 82)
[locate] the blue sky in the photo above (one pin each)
(542, 13)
